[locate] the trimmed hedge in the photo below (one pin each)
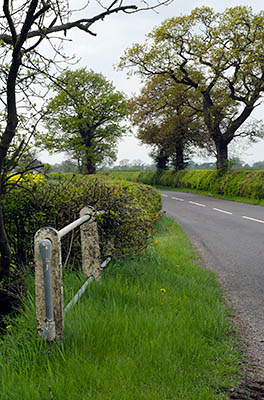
(130, 211)
(240, 183)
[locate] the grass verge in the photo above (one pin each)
(154, 328)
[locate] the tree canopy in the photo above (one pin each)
(219, 56)
(85, 118)
(167, 122)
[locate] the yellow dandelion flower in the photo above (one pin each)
(163, 290)
(8, 326)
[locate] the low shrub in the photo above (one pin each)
(130, 211)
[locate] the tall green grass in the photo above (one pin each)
(154, 328)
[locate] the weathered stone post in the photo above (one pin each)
(56, 277)
(90, 245)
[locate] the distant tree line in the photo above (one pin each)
(136, 165)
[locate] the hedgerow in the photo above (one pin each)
(239, 183)
(130, 211)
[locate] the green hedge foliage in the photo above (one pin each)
(131, 209)
(239, 183)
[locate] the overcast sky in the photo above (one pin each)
(120, 31)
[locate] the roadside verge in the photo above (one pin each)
(155, 327)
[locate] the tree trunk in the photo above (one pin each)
(5, 259)
(221, 157)
(5, 142)
(161, 160)
(178, 157)
(88, 166)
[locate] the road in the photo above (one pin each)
(230, 237)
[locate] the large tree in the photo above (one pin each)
(85, 118)
(167, 122)
(26, 27)
(219, 56)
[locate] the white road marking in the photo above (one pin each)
(223, 211)
(215, 209)
(253, 219)
(177, 198)
(197, 204)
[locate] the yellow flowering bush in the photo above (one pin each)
(30, 177)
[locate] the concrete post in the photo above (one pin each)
(90, 245)
(56, 278)
(45, 250)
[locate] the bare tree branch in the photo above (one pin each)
(10, 21)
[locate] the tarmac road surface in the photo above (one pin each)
(230, 237)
